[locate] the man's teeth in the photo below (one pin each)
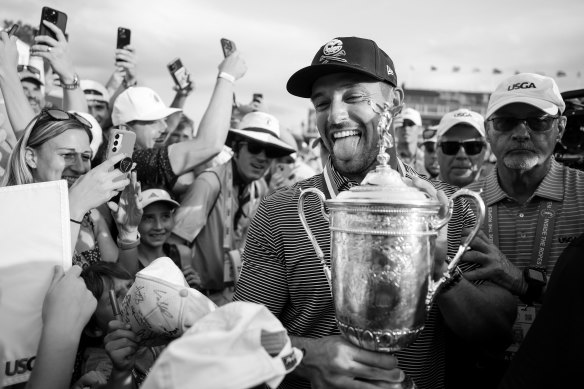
(344, 134)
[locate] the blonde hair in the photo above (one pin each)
(37, 133)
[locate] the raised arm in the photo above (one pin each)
(19, 111)
(56, 51)
(212, 131)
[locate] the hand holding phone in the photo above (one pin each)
(54, 16)
(124, 37)
(179, 74)
(122, 142)
(228, 46)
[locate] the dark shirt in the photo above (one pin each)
(153, 168)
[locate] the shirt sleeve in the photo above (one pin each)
(153, 168)
(263, 277)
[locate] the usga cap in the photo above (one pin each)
(539, 91)
(459, 116)
(345, 54)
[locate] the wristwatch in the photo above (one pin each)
(536, 279)
(73, 85)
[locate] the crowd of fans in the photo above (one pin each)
(220, 202)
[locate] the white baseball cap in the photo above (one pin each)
(239, 345)
(539, 91)
(94, 91)
(462, 115)
(160, 306)
(139, 103)
(263, 128)
(411, 114)
(150, 196)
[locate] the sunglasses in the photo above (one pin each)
(31, 69)
(256, 148)
(429, 133)
(471, 146)
(430, 146)
(59, 115)
(535, 123)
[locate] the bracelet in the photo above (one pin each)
(124, 244)
(75, 221)
(227, 77)
(452, 280)
(73, 85)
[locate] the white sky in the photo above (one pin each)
(277, 38)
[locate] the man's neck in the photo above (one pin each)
(407, 150)
(521, 184)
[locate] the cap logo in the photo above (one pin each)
(389, 71)
(332, 51)
(156, 98)
(462, 115)
(289, 360)
(521, 85)
(153, 195)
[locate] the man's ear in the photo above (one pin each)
(398, 96)
(30, 156)
(562, 121)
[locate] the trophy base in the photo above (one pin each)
(407, 383)
(388, 341)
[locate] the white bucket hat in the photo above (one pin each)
(139, 103)
(263, 128)
(239, 345)
(160, 305)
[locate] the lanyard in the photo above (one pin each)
(229, 235)
(546, 221)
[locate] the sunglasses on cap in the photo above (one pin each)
(256, 148)
(429, 133)
(534, 123)
(31, 69)
(59, 115)
(471, 146)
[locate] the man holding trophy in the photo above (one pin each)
(353, 86)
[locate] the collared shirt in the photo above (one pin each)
(281, 270)
(517, 223)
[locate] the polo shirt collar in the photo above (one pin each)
(551, 188)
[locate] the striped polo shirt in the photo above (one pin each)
(517, 223)
(281, 270)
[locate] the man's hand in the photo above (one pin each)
(332, 362)
(128, 213)
(56, 52)
(193, 278)
(121, 345)
(8, 54)
(126, 63)
(233, 65)
(494, 264)
(92, 379)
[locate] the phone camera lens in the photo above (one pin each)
(115, 143)
(114, 149)
(117, 136)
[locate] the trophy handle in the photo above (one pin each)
(319, 253)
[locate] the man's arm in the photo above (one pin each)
(212, 131)
(18, 109)
(60, 60)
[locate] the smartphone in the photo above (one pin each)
(257, 97)
(121, 141)
(58, 18)
(228, 46)
(13, 29)
(124, 35)
(115, 305)
(179, 73)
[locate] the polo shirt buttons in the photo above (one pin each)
(521, 214)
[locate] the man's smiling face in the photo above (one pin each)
(346, 121)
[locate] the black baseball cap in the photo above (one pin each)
(346, 54)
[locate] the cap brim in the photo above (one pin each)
(33, 80)
(300, 83)
(546, 106)
(279, 147)
(146, 203)
(157, 115)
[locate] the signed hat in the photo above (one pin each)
(239, 345)
(160, 306)
(345, 54)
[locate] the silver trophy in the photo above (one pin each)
(383, 236)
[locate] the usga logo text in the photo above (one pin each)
(20, 366)
(521, 85)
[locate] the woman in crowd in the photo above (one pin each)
(55, 146)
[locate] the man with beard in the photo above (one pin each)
(220, 204)
(534, 204)
(30, 78)
(348, 77)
